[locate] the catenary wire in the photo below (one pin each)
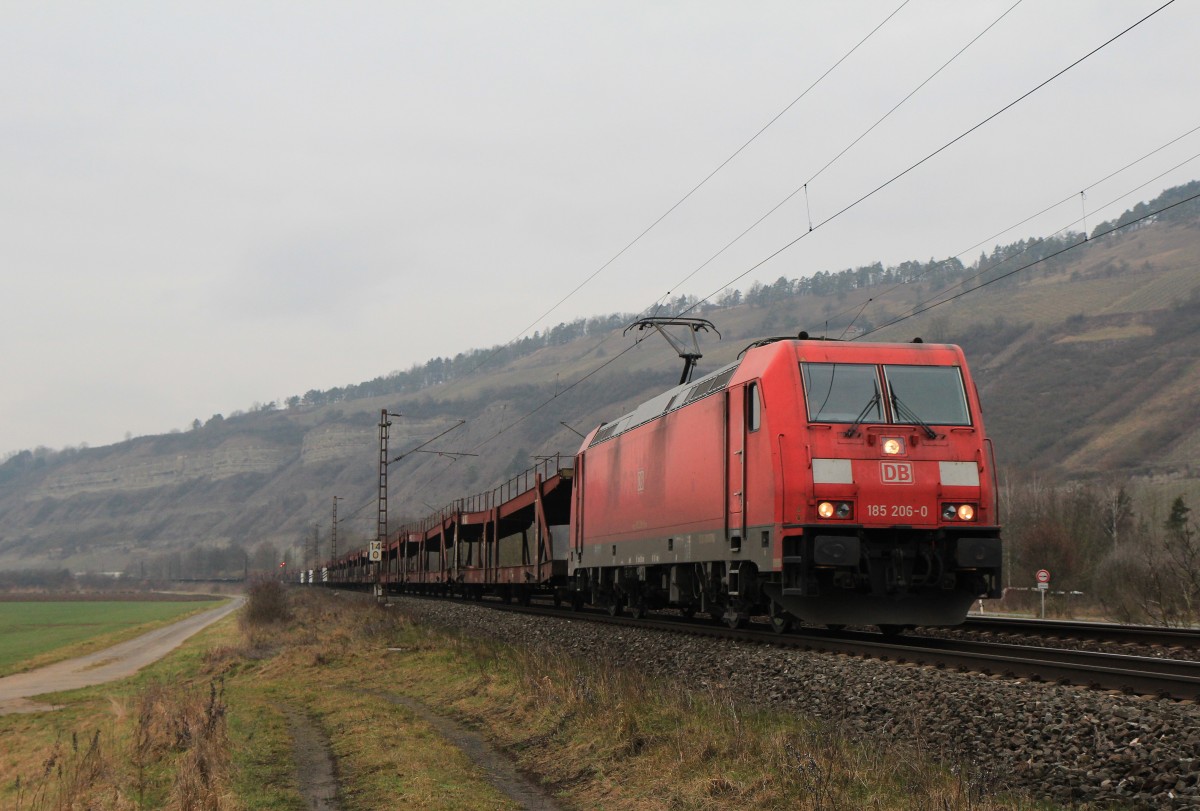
(928, 157)
(849, 207)
(1035, 263)
(1045, 210)
(658, 302)
(692, 191)
(982, 271)
(834, 159)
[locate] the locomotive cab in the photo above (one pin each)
(896, 515)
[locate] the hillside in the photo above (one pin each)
(1088, 365)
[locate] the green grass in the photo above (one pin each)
(35, 633)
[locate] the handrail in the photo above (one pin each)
(487, 500)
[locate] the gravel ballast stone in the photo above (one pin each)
(1066, 744)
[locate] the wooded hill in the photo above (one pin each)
(1088, 364)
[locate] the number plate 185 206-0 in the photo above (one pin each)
(896, 511)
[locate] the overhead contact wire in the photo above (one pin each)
(1045, 210)
(1046, 258)
(804, 187)
(668, 212)
(1030, 246)
(931, 155)
(694, 189)
(853, 204)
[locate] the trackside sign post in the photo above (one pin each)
(1043, 583)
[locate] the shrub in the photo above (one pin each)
(266, 603)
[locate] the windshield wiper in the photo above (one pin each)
(862, 415)
(908, 415)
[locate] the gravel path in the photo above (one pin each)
(110, 664)
(1062, 743)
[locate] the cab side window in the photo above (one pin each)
(753, 408)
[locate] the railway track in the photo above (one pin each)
(1158, 677)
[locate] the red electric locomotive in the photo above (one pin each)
(834, 482)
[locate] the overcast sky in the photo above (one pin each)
(204, 205)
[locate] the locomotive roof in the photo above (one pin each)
(669, 400)
(716, 381)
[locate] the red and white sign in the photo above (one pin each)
(1043, 575)
(896, 472)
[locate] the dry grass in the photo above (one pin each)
(211, 731)
(619, 741)
(170, 753)
(595, 736)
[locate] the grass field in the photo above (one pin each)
(37, 633)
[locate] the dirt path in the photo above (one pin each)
(500, 770)
(110, 664)
(314, 762)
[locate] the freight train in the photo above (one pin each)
(810, 480)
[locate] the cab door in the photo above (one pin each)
(735, 468)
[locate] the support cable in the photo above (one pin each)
(1029, 247)
(691, 192)
(839, 213)
(1046, 258)
(931, 155)
(1045, 210)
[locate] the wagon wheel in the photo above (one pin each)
(614, 606)
(688, 611)
(638, 610)
(734, 620)
(577, 601)
(781, 620)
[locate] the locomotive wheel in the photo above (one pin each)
(614, 607)
(734, 620)
(638, 610)
(688, 611)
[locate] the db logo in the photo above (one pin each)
(895, 472)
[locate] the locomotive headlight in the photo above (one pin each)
(893, 446)
(958, 512)
(841, 509)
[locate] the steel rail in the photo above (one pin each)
(1076, 629)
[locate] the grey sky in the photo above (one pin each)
(204, 205)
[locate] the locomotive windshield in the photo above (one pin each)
(840, 392)
(849, 392)
(933, 394)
